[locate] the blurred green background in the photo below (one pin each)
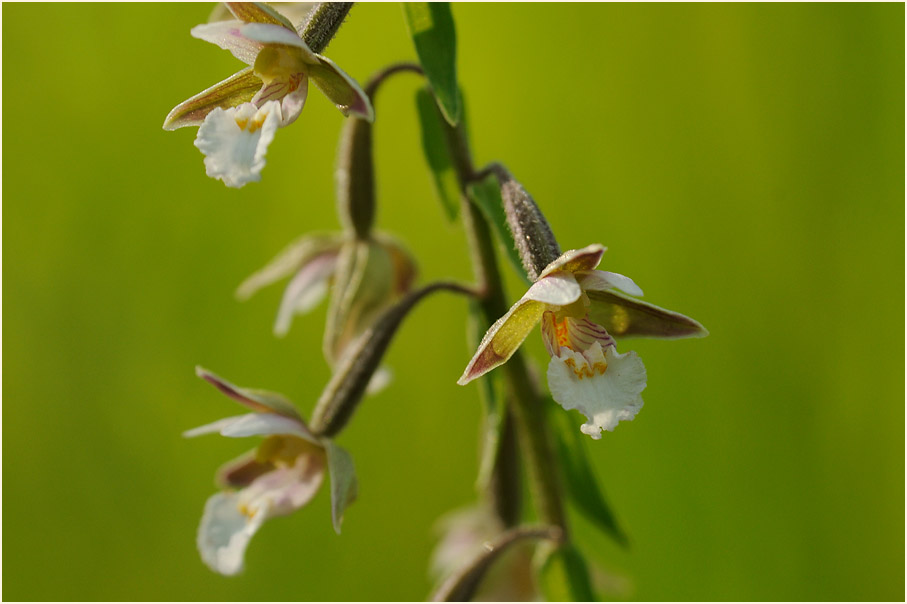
(743, 163)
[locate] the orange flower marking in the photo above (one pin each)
(242, 122)
(560, 330)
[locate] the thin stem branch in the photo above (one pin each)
(524, 401)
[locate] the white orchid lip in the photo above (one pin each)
(600, 383)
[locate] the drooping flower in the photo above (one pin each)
(580, 309)
(277, 478)
(239, 116)
(366, 278)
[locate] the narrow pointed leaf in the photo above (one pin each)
(486, 195)
(564, 577)
(462, 585)
(435, 149)
(582, 486)
(432, 29)
(344, 487)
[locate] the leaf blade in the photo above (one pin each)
(431, 26)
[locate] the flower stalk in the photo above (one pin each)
(524, 401)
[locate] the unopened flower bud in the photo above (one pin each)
(531, 233)
(360, 361)
(356, 177)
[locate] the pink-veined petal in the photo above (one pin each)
(287, 488)
(290, 260)
(605, 280)
(226, 34)
(572, 261)
(627, 317)
(578, 334)
(239, 88)
(257, 400)
(305, 290)
(601, 384)
(240, 472)
(341, 89)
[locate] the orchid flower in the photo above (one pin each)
(466, 533)
(279, 477)
(367, 277)
(580, 309)
(239, 116)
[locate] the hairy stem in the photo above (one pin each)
(323, 23)
(524, 401)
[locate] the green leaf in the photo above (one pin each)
(486, 195)
(435, 149)
(563, 576)
(344, 487)
(431, 26)
(582, 486)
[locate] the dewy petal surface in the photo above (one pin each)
(601, 384)
(341, 89)
(235, 141)
(623, 316)
(227, 35)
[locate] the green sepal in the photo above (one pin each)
(563, 575)
(432, 29)
(344, 487)
(582, 486)
(239, 88)
(433, 145)
(486, 195)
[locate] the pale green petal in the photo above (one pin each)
(239, 88)
(341, 89)
(258, 12)
(503, 338)
(344, 487)
(626, 317)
